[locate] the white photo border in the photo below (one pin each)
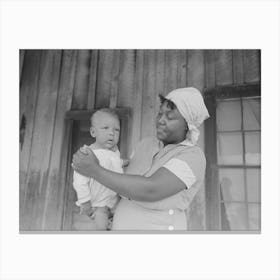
(143, 24)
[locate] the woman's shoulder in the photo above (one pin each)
(194, 151)
(194, 157)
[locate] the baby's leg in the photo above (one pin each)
(101, 218)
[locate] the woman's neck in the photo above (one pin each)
(173, 143)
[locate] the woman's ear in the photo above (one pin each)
(92, 133)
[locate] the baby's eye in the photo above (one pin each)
(105, 127)
(117, 129)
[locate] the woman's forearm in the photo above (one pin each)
(135, 187)
(160, 185)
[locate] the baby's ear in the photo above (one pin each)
(92, 133)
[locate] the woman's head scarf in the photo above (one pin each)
(190, 104)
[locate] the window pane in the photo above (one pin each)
(230, 148)
(234, 216)
(254, 216)
(229, 115)
(253, 177)
(252, 114)
(253, 148)
(232, 184)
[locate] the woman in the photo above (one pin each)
(163, 176)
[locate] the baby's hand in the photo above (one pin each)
(86, 209)
(125, 162)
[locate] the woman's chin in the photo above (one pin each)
(160, 136)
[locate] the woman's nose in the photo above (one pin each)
(161, 119)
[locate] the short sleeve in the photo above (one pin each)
(182, 170)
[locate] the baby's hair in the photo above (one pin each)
(108, 111)
(168, 102)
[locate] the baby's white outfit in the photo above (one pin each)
(89, 189)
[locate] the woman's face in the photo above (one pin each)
(171, 126)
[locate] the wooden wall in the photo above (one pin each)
(55, 81)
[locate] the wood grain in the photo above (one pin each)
(21, 61)
(196, 211)
(28, 103)
(114, 89)
(149, 95)
(224, 67)
(252, 65)
(196, 69)
(42, 138)
(94, 59)
(137, 97)
(171, 70)
(238, 68)
(81, 90)
(210, 71)
(53, 204)
(104, 78)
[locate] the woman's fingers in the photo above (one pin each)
(84, 150)
(77, 157)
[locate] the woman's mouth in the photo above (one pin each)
(160, 129)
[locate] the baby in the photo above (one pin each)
(95, 200)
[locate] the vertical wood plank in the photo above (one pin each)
(104, 78)
(21, 60)
(224, 75)
(149, 96)
(80, 97)
(238, 71)
(28, 100)
(115, 79)
(42, 138)
(126, 87)
(210, 72)
(252, 65)
(182, 69)
(137, 97)
(53, 206)
(196, 70)
(160, 79)
(212, 193)
(171, 70)
(126, 78)
(94, 57)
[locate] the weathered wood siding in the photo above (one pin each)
(55, 81)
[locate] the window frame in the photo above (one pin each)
(212, 192)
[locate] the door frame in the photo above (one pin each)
(71, 116)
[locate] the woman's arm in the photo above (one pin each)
(163, 183)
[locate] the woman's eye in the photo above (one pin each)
(159, 115)
(170, 116)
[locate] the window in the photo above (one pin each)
(233, 152)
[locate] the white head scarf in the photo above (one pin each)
(190, 104)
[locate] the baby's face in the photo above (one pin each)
(106, 129)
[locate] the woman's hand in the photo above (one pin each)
(85, 162)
